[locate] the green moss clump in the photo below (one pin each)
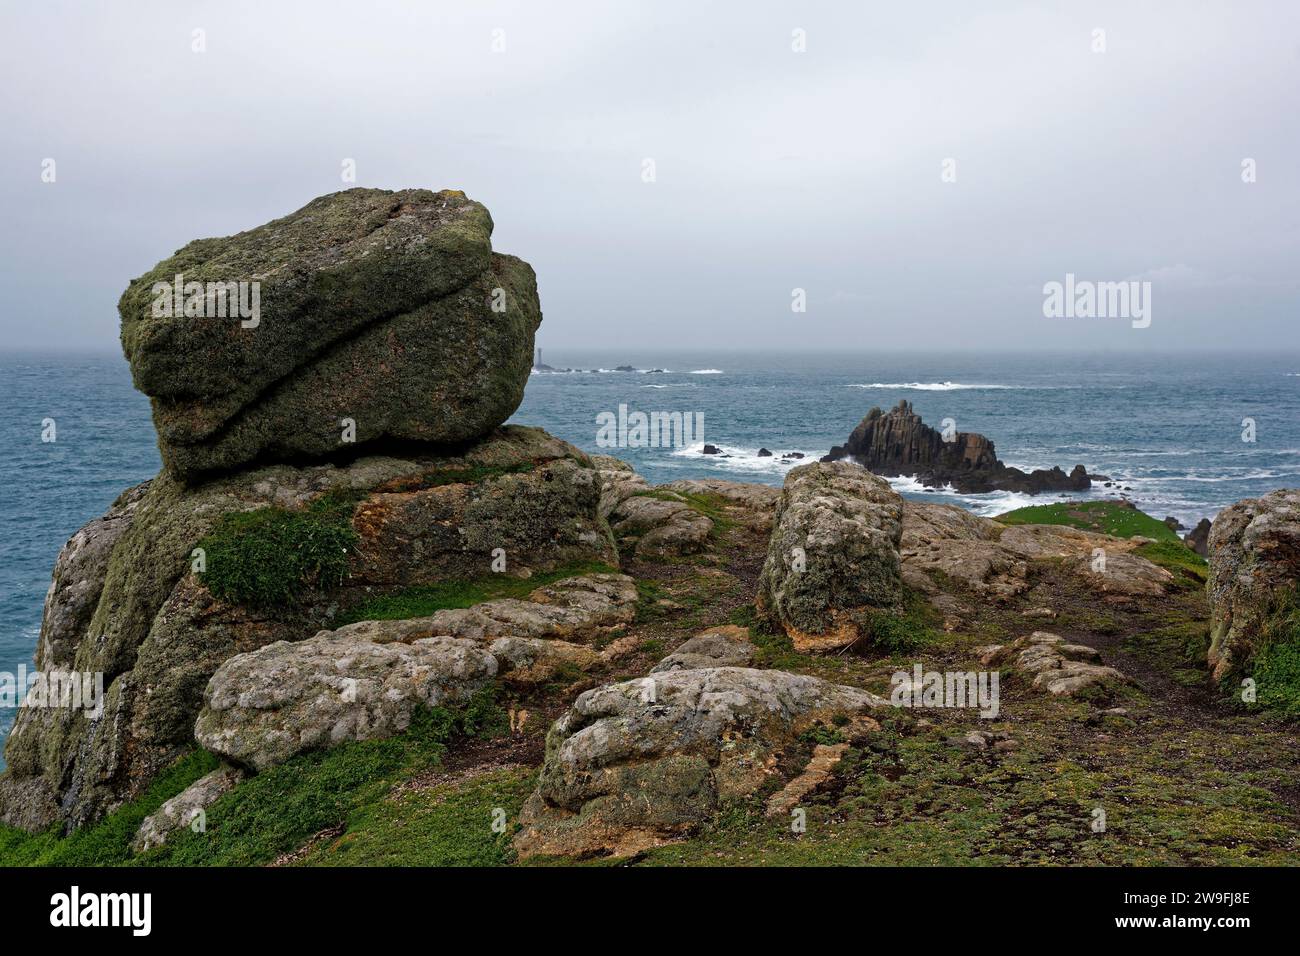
(1276, 666)
(268, 557)
(1103, 517)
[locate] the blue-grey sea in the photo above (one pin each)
(1167, 427)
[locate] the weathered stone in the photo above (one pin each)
(157, 633)
(748, 504)
(1254, 567)
(573, 608)
(180, 810)
(526, 661)
(1198, 539)
(1059, 668)
(640, 763)
(724, 646)
(833, 559)
(1128, 574)
(266, 706)
(619, 481)
(388, 309)
(660, 526)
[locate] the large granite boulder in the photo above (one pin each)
(833, 559)
(385, 309)
(643, 762)
(1254, 569)
(266, 706)
(127, 601)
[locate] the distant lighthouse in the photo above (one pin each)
(538, 363)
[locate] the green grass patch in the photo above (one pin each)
(108, 842)
(1103, 517)
(468, 824)
(269, 557)
(272, 813)
(1178, 558)
(426, 599)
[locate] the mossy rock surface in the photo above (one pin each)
(130, 603)
(381, 315)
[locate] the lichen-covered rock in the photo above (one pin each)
(640, 763)
(1254, 565)
(660, 526)
(1059, 668)
(533, 639)
(388, 309)
(751, 504)
(833, 558)
(1123, 573)
(727, 645)
(157, 633)
(182, 809)
(618, 479)
(266, 706)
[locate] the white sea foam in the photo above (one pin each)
(707, 371)
(934, 386)
(748, 459)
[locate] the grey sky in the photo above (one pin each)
(775, 169)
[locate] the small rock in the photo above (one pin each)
(181, 809)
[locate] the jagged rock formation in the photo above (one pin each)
(386, 309)
(1198, 539)
(899, 443)
(1254, 572)
(832, 561)
(643, 762)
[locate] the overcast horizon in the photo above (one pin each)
(920, 174)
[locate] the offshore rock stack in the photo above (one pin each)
(898, 443)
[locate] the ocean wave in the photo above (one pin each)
(986, 505)
(747, 459)
(600, 371)
(935, 386)
(707, 371)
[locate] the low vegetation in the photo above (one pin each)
(281, 809)
(269, 557)
(1104, 517)
(426, 599)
